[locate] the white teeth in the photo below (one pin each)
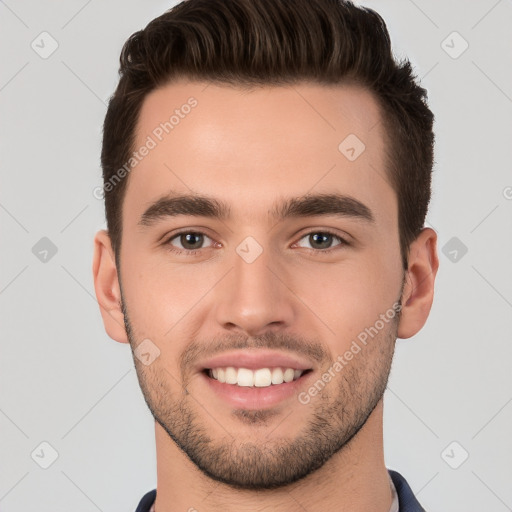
(288, 375)
(277, 376)
(231, 375)
(262, 377)
(245, 377)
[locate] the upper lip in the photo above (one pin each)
(256, 358)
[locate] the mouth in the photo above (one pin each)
(255, 377)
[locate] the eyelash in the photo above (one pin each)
(193, 252)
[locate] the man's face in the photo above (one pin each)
(257, 290)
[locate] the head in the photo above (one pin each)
(282, 122)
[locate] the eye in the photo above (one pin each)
(322, 241)
(187, 241)
(190, 242)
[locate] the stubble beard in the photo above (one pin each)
(337, 414)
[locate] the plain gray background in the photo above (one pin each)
(448, 410)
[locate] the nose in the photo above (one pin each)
(254, 297)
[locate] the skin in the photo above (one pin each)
(251, 149)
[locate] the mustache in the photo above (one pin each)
(296, 344)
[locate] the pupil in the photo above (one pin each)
(189, 239)
(324, 237)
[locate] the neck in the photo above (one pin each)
(355, 479)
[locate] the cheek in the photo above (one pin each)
(160, 295)
(350, 296)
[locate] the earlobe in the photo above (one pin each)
(106, 286)
(418, 292)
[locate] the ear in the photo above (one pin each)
(418, 292)
(106, 286)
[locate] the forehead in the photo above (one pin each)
(248, 147)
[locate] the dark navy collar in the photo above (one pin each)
(406, 498)
(146, 502)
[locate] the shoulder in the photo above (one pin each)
(406, 498)
(147, 500)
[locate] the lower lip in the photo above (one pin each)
(245, 397)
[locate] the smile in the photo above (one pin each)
(259, 377)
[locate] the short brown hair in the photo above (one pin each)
(276, 42)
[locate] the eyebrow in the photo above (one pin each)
(304, 206)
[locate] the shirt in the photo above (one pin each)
(403, 497)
